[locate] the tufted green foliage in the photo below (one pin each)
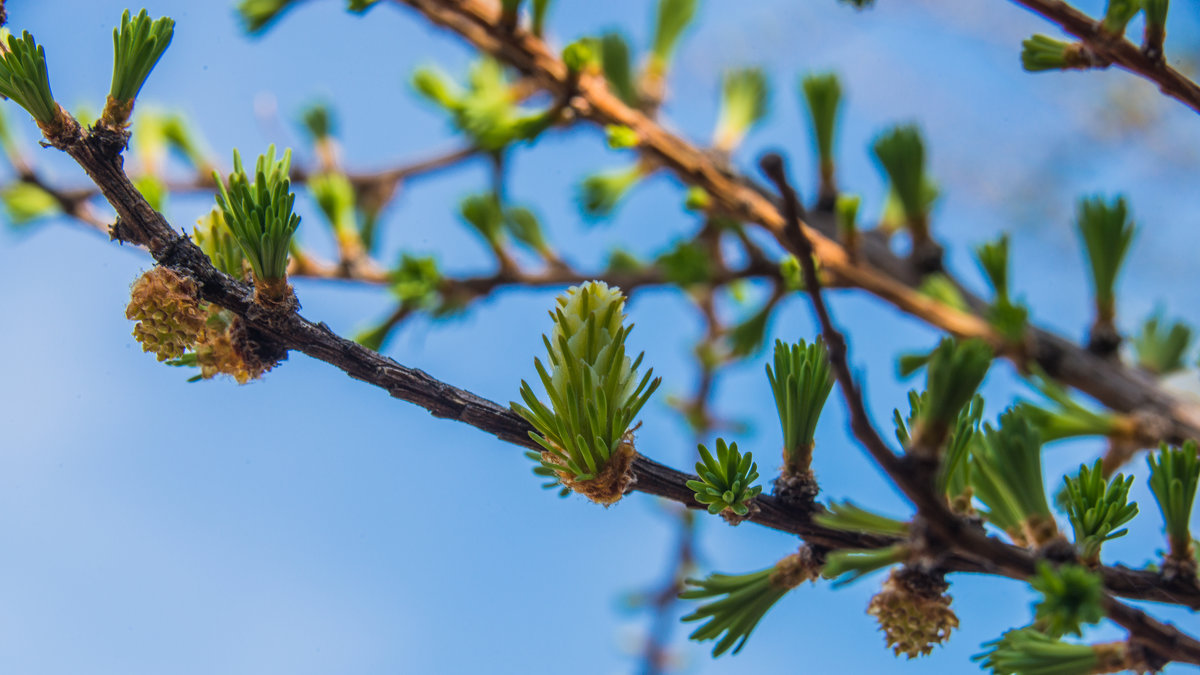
(1066, 418)
(138, 44)
(1118, 14)
(593, 386)
(257, 15)
(1006, 472)
(801, 381)
(600, 192)
(1040, 52)
(952, 479)
(25, 203)
(901, 153)
(848, 517)
(214, 237)
(726, 480)
(738, 602)
(846, 566)
(259, 213)
(1096, 508)
(674, 16)
(744, 94)
(1174, 475)
(1027, 651)
(954, 371)
(1106, 231)
(1071, 598)
(486, 109)
(1161, 345)
(23, 77)
(822, 94)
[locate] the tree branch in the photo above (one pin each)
(1118, 50)
(883, 274)
(914, 477)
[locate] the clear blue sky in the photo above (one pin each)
(308, 523)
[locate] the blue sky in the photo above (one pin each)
(307, 523)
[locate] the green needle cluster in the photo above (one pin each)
(1118, 14)
(594, 391)
(1027, 651)
(1106, 231)
(1006, 472)
(618, 67)
(620, 137)
(1068, 418)
(1161, 345)
(600, 192)
(138, 44)
(848, 517)
(823, 94)
(25, 203)
(1174, 475)
(744, 94)
(1071, 597)
(23, 78)
(801, 381)
(258, 14)
(416, 281)
(1005, 316)
(727, 480)
(334, 195)
(259, 213)
(849, 565)
(742, 600)
(525, 227)
(215, 238)
(901, 153)
(485, 110)
(846, 211)
(953, 474)
(1041, 52)
(674, 16)
(1096, 508)
(955, 370)
(318, 121)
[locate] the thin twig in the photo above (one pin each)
(1118, 50)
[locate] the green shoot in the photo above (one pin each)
(1174, 474)
(742, 600)
(744, 95)
(1071, 598)
(259, 213)
(823, 94)
(23, 78)
(1096, 508)
(594, 391)
(1161, 347)
(727, 480)
(801, 382)
(138, 44)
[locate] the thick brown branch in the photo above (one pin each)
(100, 157)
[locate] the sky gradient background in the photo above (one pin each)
(308, 523)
